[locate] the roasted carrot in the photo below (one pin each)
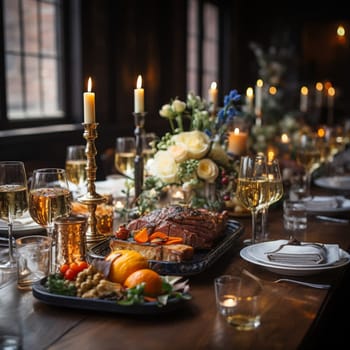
(158, 234)
(141, 236)
(174, 240)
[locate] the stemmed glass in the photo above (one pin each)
(308, 155)
(76, 166)
(275, 190)
(49, 199)
(124, 158)
(253, 187)
(13, 201)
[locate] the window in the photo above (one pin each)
(33, 59)
(202, 46)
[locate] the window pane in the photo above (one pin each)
(11, 21)
(48, 30)
(14, 85)
(30, 19)
(32, 86)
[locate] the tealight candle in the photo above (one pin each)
(139, 96)
(89, 105)
(230, 302)
(237, 142)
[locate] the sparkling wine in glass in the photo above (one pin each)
(13, 201)
(49, 199)
(253, 187)
(76, 162)
(275, 191)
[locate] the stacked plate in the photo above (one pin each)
(257, 254)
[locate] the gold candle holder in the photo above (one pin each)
(138, 163)
(91, 199)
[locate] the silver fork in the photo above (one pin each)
(307, 284)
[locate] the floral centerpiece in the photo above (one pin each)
(192, 156)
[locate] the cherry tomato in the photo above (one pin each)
(64, 268)
(70, 274)
(82, 265)
(74, 266)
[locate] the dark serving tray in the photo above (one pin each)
(201, 260)
(41, 293)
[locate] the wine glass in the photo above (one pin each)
(124, 157)
(275, 191)
(308, 155)
(253, 187)
(13, 201)
(49, 199)
(76, 162)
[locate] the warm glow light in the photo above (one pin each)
(259, 83)
(321, 132)
(250, 92)
(89, 84)
(230, 302)
(319, 86)
(340, 30)
(270, 156)
(236, 131)
(213, 85)
(331, 91)
(272, 90)
(139, 82)
(327, 85)
(284, 138)
(304, 90)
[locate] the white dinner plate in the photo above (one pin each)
(24, 225)
(334, 182)
(337, 204)
(258, 251)
(245, 253)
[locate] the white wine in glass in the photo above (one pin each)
(49, 199)
(76, 162)
(13, 201)
(124, 157)
(253, 187)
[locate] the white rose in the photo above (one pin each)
(178, 106)
(179, 152)
(207, 170)
(197, 143)
(166, 111)
(164, 166)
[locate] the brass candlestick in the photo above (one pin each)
(138, 163)
(91, 198)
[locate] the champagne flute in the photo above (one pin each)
(124, 156)
(275, 191)
(76, 162)
(253, 187)
(308, 155)
(49, 199)
(13, 201)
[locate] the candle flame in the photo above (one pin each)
(213, 85)
(321, 132)
(319, 86)
(250, 92)
(284, 138)
(259, 83)
(236, 131)
(340, 30)
(272, 90)
(331, 91)
(89, 84)
(304, 90)
(139, 82)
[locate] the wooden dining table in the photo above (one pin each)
(293, 316)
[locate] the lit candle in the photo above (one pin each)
(249, 100)
(213, 94)
(304, 91)
(258, 100)
(319, 94)
(139, 96)
(330, 103)
(229, 302)
(237, 142)
(89, 105)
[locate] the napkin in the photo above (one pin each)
(322, 203)
(303, 254)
